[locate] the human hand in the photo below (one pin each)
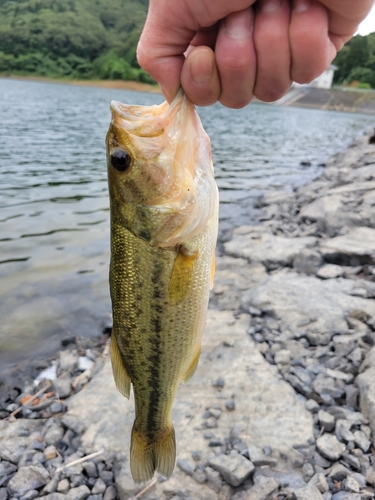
(233, 50)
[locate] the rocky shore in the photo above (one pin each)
(282, 406)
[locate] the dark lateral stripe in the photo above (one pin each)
(156, 324)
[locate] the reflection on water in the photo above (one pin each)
(54, 228)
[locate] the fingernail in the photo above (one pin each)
(201, 68)
(239, 24)
(270, 6)
(301, 5)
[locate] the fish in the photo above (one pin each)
(164, 223)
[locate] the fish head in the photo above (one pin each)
(160, 170)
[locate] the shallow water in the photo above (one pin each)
(54, 229)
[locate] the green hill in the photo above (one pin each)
(72, 38)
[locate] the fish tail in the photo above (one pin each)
(148, 456)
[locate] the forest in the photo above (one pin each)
(80, 39)
(97, 39)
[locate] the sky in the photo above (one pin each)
(368, 25)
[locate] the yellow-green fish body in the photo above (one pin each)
(164, 215)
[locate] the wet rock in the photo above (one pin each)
(330, 447)
(27, 478)
(234, 468)
(307, 493)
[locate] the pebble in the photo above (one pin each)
(63, 486)
(307, 493)
(200, 476)
(352, 485)
(326, 420)
(110, 493)
(186, 466)
(234, 468)
(90, 469)
(28, 478)
(62, 387)
(312, 406)
(219, 382)
(361, 440)
(107, 477)
(264, 488)
(282, 357)
(99, 487)
(230, 405)
(196, 455)
(343, 495)
(80, 493)
(320, 482)
(30, 495)
(330, 447)
(50, 452)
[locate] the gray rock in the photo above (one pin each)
(308, 471)
(12, 449)
(330, 447)
(3, 494)
(257, 245)
(352, 394)
(27, 478)
(292, 298)
(219, 382)
(326, 386)
(68, 361)
(110, 493)
(214, 479)
(95, 497)
(258, 457)
(30, 495)
(54, 433)
(307, 261)
(230, 405)
(63, 486)
(312, 406)
(99, 487)
(186, 466)
(234, 468)
(282, 357)
(264, 489)
(74, 423)
(344, 495)
(338, 472)
(62, 387)
(79, 493)
(330, 271)
(355, 247)
(327, 495)
(361, 441)
(90, 469)
(55, 496)
(307, 493)
(351, 484)
(365, 383)
(320, 482)
(51, 486)
(125, 485)
(326, 420)
(107, 477)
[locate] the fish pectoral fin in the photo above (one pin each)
(212, 275)
(193, 366)
(120, 373)
(182, 275)
(147, 456)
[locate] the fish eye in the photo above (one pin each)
(121, 160)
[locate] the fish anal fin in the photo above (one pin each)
(193, 366)
(182, 275)
(120, 373)
(212, 275)
(148, 456)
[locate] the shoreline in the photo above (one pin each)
(107, 84)
(293, 306)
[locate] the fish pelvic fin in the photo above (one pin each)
(120, 373)
(193, 366)
(148, 456)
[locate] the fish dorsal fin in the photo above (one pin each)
(120, 373)
(182, 275)
(193, 366)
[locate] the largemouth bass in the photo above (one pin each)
(164, 218)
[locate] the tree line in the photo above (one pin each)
(356, 62)
(82, 39)
(90, 39)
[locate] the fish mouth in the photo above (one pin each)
(151, 121)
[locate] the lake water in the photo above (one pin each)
(54, 219)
